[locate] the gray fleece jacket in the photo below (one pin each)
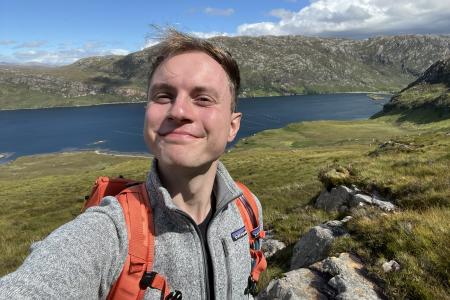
(83, 258)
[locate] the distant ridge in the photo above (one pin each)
(431, 91)
(270, 65)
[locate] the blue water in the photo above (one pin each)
(118, 127)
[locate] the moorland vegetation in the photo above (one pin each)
(282, 166)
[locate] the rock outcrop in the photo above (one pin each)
(270, 245)
(270, 65)
(332, 278)
(430, 91)
(390, 266)
(343, 198)
(315, 244)
(297, 284)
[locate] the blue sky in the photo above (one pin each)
(60, 32)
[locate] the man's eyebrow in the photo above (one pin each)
(161, 86)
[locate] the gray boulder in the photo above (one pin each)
(391, 266)
(333, 200)
(339, 278)
(342, 199)
(347, 279)
(300, 284)
(271, 246)
(384, 205)
(315, 244)
(360, 198)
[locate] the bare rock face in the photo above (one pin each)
(334, 199)
(271, 246)
(296, 285)
(342, 199)
(315, 244)
(384, 205)
(347, 278)
(339, 278)
(360, 198)
(391, 266)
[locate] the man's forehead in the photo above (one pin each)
(197, 69)
(193, 61)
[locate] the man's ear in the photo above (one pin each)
(234, 126)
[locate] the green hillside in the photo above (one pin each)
(282, 167)
(402, 154)
(426, 99)
(270, 65)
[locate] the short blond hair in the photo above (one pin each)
(174, 42)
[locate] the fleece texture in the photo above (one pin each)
(83, 258)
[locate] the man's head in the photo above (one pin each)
(176, 42)
(188, 119)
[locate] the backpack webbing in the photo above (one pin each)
(137, 272)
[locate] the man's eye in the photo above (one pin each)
(161, 98)
(204, 100)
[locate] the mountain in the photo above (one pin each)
(430, 93)
(270, 65)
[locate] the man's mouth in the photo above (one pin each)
(178, 135)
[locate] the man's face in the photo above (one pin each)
(189, 120)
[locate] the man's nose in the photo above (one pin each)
(181, 108)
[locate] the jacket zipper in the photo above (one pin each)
(204, 245)
(227, 266)
(202, 241)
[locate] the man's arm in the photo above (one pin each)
(79, 260)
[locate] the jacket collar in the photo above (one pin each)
(224, 188)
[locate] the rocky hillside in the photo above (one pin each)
(270, 65)
(431, 91)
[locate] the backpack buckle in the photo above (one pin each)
(251, 287)
(147, 280)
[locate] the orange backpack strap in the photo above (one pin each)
(250, 215)
(105, 186)
(137, 274)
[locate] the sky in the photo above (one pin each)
(60, 32)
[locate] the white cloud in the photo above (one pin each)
(150, 42)
(7, 42)
(357, 18)
(62, 55)
(31, 44)
(218, 11)
(207, 35)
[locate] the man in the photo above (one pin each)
(190, 118)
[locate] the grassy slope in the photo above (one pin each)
(98, 72)
(281, 166)
(12, 97)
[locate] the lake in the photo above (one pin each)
(118, 127)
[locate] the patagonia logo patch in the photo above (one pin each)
(237, 234)
(256, 231)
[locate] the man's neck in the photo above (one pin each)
(191, 190)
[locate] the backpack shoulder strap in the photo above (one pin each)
(137, 272)
(250, 215)
(105, 186)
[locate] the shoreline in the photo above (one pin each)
(4, 156)
(140, 102)
(74, 106)
(121, 154)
